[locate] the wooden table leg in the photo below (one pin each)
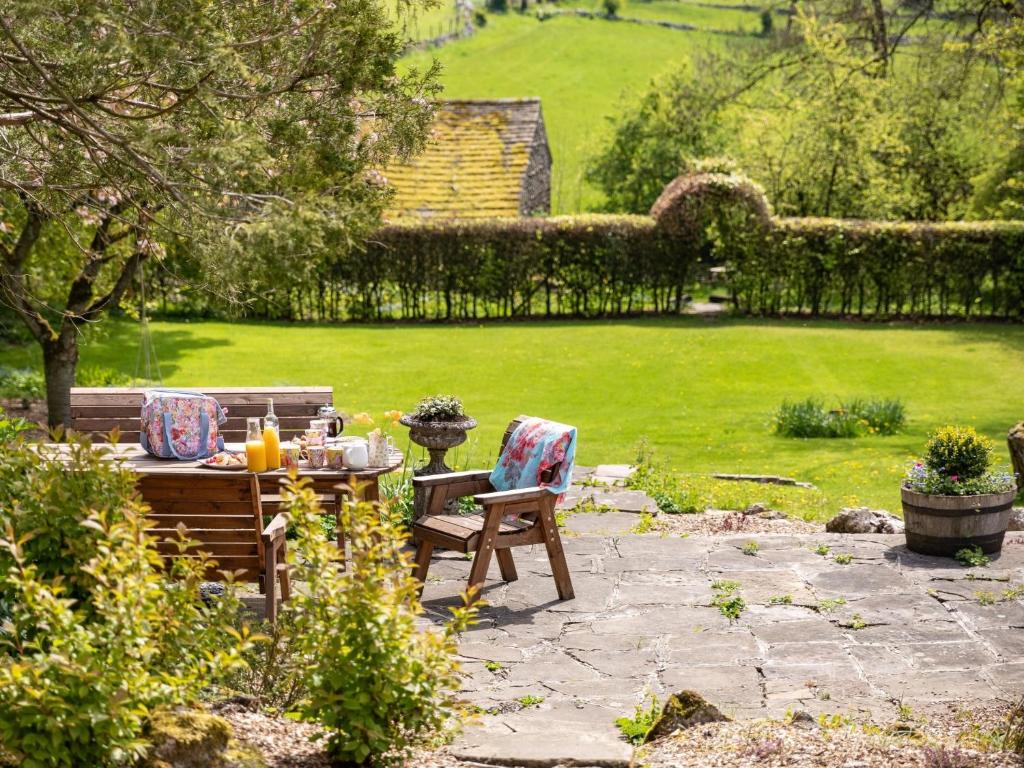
(339, 499)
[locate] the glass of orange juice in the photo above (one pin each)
(255, 448)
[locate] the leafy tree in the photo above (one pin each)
(675, 123)
(831, 117)
(245, 130)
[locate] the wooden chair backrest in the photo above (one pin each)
(97, 410)
(547, 475)
(222, 512)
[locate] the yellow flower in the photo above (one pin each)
(363, 418)
(393, 416)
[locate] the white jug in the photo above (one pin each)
(357, 454)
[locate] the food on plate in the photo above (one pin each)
(227, 459)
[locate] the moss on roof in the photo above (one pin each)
(474, 163)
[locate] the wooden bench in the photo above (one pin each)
(98, 410)
(224, 515)
(530, 514)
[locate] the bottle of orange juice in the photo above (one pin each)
(272, 437)
(255, 448)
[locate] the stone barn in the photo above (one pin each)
(483, 158)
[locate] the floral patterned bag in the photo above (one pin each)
(179, 424)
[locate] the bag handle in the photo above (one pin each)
(204, 436)
(221, 411)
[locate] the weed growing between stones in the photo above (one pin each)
(635, 728)
(728, 603)
(844, 558)
(830, 604)
(857, 622)
(645, 524)
(492, 666)
(985, 598)
(780, 600)
(972, 557)
(529, 700)
(822, 549)
(751, 548)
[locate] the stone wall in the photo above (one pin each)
(536, 194)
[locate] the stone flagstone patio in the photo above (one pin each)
(912, 632)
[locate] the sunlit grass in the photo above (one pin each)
(702, 393)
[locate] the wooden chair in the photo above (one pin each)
(531, 520)
(224, 514)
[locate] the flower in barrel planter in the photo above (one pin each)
(952, 499)
(438, 424)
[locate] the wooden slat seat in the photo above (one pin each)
(462, 532)
(223, 515)
(510, 519)
(98, 410)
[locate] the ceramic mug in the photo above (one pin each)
(356, 455)
(335, 456)
(290, 455)
(317, 456)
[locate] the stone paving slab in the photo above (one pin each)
(897, 628)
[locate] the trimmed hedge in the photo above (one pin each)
(883, 269)
(581, 266)
(616, 265)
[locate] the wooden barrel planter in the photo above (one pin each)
(943, 525)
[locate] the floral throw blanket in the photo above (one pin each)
(536, 446)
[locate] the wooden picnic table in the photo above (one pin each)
(325, 481)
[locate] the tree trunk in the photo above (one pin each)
(60, 360)
(1016, 442)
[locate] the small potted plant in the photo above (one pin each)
(952, 499)
(438, 424)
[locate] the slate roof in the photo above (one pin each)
(475, 162)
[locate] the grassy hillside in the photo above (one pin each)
(580, 68)
(703, 394)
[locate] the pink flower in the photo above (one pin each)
(955, 478)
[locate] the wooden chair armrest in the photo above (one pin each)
(429, 481)
(511, 497)
(276, 530)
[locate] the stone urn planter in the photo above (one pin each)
(943, 525)
(438, 437)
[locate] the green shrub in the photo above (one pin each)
(79, 677)
(44, 501)
(882, 417)
(375, 681)
(23, 384)
(611, 8)
(635, 728)
(958, 452)
(11, 428)
(855, 418)
(99, 376)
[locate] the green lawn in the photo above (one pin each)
(702, 393)
(580, 68)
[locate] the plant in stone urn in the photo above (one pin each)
(438, 424)
(952, 500)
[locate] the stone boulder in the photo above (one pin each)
(684, 710)
(195, 739)
(864, 520)
(1016, 519)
